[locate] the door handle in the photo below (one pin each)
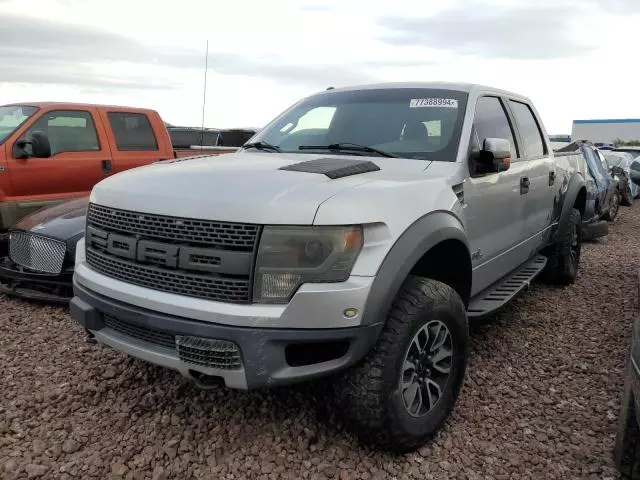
(106, 166)
(552, 178)
(524, 185)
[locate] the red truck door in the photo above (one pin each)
(135, 140)
(79, 153)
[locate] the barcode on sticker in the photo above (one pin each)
(433, 102)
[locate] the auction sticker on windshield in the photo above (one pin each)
(433, 102)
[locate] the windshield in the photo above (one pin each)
(617, 160)
(413, 123)
(11, 117)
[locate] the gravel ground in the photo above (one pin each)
(540, 399)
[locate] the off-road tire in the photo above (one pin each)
(368, 395)
(562, 266)
(614, 207)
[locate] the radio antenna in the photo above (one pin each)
(204, 93)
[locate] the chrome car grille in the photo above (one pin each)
(35, 252)
(207, 352)
(197, 258)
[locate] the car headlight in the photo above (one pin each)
(291, 256)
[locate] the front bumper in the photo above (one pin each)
(255, 358)
(33, 285)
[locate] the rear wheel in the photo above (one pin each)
(563, 257)
(628, 196)
(405, 389)
(614, 207)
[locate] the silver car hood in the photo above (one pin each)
(246, 187)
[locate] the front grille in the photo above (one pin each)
(193, 285)
(207, 352)
(232, 236)
(35, 252)
(196, 258)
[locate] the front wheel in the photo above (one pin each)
(405, 389)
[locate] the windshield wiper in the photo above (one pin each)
(347, 147)
(261, 146)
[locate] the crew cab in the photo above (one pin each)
(50, 152)
(352, 239)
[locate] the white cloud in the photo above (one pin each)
(266, 55)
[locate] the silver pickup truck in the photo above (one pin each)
(354, 237)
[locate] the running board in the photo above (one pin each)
(502, 292)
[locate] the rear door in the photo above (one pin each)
(535, 180)
(600, 175)
(133, 139)
(79, 149)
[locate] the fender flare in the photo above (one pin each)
(424, 234)
(568, 200)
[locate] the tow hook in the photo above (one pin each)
(90, 337)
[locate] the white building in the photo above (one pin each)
(606, 130)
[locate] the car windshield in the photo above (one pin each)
(11, 117)
(415, 123)
(617, 160)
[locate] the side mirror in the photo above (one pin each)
(495, 156)
(40, 145)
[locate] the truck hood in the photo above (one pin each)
(247, 187)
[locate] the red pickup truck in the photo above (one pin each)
(51, 152)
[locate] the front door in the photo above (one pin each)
(493, 202)
(79, 149)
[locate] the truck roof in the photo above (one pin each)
(463, 87)
(77, 104)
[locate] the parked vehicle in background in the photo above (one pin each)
(50, 152)
(633, 150)
(603, 198)
(41, 252)
(619, 163)
(197, 138)
(353, 236)
(627, 446)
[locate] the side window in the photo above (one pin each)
(68, 131)
(529, 129)
(491, 122)
(132, 131)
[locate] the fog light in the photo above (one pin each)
(278, 285)
(350, 312)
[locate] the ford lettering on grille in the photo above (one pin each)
(170, 256)
(197, 258)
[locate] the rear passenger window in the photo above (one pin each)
(529, 129)
(491, 122)
(68, 131)
(132, 131)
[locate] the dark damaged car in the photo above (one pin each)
(40, 253)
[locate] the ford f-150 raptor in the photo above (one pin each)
(353, 237)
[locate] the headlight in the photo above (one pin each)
(291, 256)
